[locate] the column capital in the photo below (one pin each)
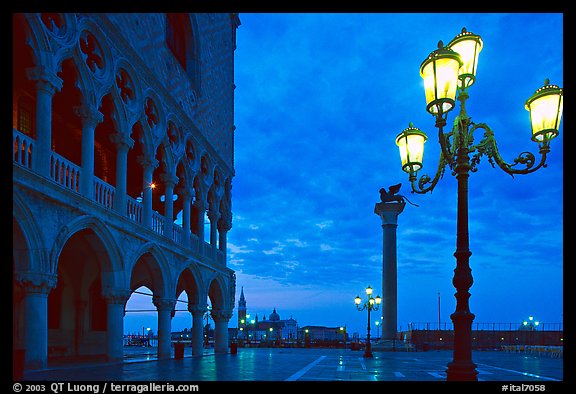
(389, 212)
(213, 215)
(45, 80)
(89, 114)
(219, 315)
(185, 193)
(147, 162)
(197, 310)
(164, 304)
(116, 296)
(224, 224)
(36, 282)
(169, 179)
(122, 141)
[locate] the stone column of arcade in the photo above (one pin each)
(197, 312)
(90, 117)
(116, 301)
(200, 209)
(47, 84)
(221, 319)
(165, 307)
(36, 287)
(123, 144)
(388, 212)
(213, 216)
(186, 196)
(148, 165)
(169, 182)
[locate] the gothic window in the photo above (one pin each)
(181, 40)
(26, 116)
(176, 36)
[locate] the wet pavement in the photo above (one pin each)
(291, 364)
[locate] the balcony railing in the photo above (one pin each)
(158, 223)
(134, 209)
(104, 193)
(64, 172)
(23, 146)
(67, 174)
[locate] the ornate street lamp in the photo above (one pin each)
(371, 304)
(448, 72)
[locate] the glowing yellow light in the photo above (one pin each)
(410, 142)
(545, 108)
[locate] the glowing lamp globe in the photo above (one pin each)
(410, 142)
(545, 108)
(440, 72)
(468, 45)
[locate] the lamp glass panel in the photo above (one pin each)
(468, 51)
(545, 114)
(443, 83)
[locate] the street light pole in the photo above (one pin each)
(371, 304)
(447, 72)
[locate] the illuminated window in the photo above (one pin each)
(26, 116)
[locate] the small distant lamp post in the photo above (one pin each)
(448, 73)
(371, 304)
(343, 332)
(377, 323)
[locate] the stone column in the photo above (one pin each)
(200, 208)
(197, 312)
(169, 182)
(148, 166)
(47, 84)
(123, 144)
(223, 227)
(389, 212)
(186, 197)
(116, 301)
(221, 318)
(36, 287)
(165, 307)
(213, 216)
(90, 117)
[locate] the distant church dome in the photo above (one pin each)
(274, 316)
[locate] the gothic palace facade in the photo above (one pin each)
(123, 148)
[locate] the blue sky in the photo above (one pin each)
(319, 101)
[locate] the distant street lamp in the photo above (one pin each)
(449, 71)
(377, 323)
(371, 304)
(530, 324)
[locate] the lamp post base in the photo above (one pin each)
(368, 354)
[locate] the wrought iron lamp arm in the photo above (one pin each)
(421, 187)
(488, 146)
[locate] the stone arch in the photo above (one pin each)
(28, 251)
(77, 309)
(125, 74)
(94, 50)
(217, 292)
(113, 262)
(190, 280)
(150, 268)
(35, 39)
(154, 115)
